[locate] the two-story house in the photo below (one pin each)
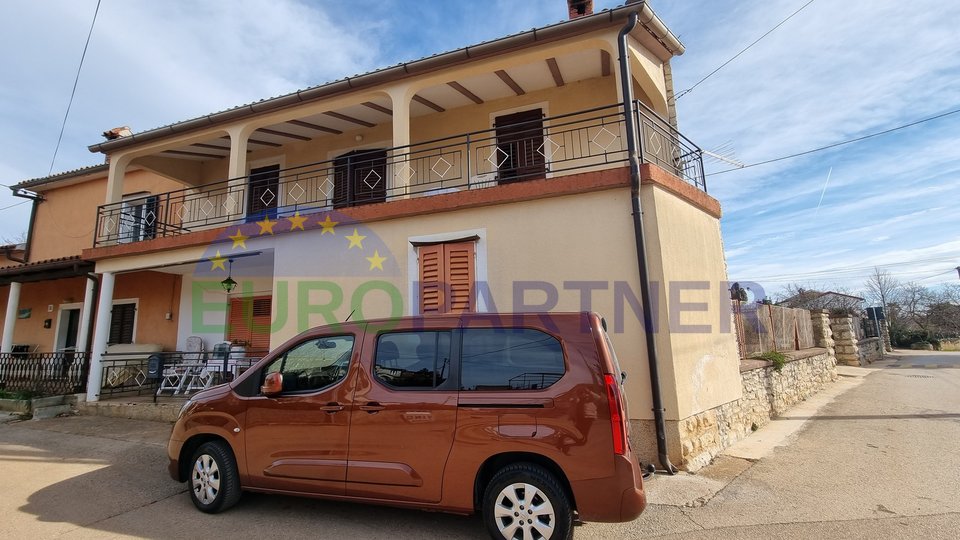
(541, 171)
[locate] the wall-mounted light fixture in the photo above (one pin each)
(229, 284)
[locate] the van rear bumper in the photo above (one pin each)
(614, 499)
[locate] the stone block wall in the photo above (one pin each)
(767, 393)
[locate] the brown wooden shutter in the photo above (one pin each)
(249, 322)
(431, 278)
(447, 278)
(459, 273)
(520, 137)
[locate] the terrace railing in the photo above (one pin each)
(592, 139)
(45, 374)
(177, 374)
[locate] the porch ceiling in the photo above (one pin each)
(465, 91)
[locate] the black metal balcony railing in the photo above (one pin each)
(45, 374)
(179, 373)
(587, 140)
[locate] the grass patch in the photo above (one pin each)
(778, 359)
(17, 394)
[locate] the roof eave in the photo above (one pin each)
(648, 20)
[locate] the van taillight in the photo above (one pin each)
(616, 415)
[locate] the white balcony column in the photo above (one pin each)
(86, 314)
(400, 173)
(237, 168)
(13, 302)
(100, 335)
(118, 168)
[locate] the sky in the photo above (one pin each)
(834, 72)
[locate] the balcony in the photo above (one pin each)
(527, 149)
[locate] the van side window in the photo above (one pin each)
(314, 364)
(509, 359)
(413, 360)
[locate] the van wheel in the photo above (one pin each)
(525, 501)
(214, 481)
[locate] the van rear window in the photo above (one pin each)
(509, 359)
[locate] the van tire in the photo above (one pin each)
(506, 491)
(213, 479)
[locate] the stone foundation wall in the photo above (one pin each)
(767, 393)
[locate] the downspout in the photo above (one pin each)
(634, 162)
(37, 199)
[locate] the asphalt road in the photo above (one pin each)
(879, 461)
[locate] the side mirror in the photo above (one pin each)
(272, 385)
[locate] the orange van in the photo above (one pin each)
(520, 417)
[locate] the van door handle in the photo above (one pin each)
(372, 407)
(332, 407)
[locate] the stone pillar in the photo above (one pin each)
(822, 334)
(847, 350)
(885, 334)
(100, 335)
(13, 303)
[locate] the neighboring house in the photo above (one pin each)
(50, 289)
(491, 178)
(810, 299)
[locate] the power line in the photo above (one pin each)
(839, 271)
(74, 91)
(12, 205)
(688, 90)
(834, 145)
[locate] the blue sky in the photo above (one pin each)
(837, 70)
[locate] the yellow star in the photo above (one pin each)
(356, 240)
(218, 261)
(376, 261)
(328, 226)
(296, 221)
(239, 240)
(266, 226)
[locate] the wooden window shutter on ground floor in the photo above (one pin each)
(249, 322)
(447, 278)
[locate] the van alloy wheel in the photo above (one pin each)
(524, 508)
(214, 481)
(525, 501)
(206, 479)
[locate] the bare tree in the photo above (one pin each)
(883, 288)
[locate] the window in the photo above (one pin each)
(138, 219)
(360, 177)
(447, 277)
(249, 322)
(509, 359)
(415, 360)
(263, 192)
(122, 319)
(314, 364)
(520, 146)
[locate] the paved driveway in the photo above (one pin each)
(882, 460)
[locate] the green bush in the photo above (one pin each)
(16, 394)
(778, 359)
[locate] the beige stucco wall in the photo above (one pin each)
(67, 217)
(695, 341)
(156, 295)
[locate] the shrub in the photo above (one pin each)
(778, 359)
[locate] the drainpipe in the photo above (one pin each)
(634, 161)
(37, 199)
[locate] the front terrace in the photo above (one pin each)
(532, 148)
(544, 110)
